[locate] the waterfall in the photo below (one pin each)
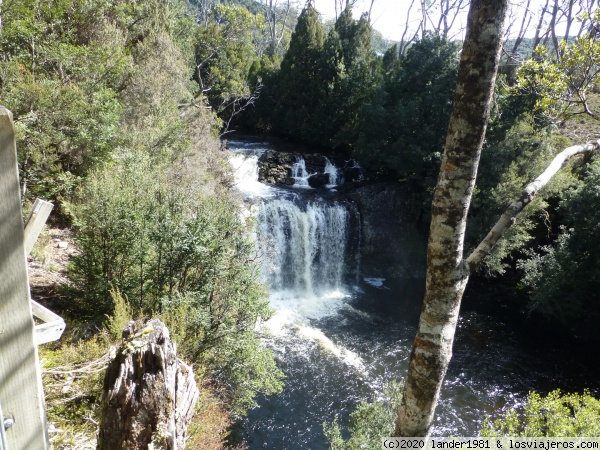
(332, 171)
(302, 242)
(304, 246)
(245, 174)
(299, 173)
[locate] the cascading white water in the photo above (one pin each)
(305, 246)
(332, 171)
(299, 173)
(302, 244)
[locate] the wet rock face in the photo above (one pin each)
(276, 167)
(393, 242)
(318, 180)
(352, 174)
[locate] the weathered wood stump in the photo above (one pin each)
(149, 394)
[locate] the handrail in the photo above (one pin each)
(52, 328)
(54, 325)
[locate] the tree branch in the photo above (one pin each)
(508, 218)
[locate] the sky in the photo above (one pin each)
(389, 16)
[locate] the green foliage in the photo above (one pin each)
(318, 95)
(562, 278)
(109, 219)
(350, 75)
(121, 316)
(369, 422)
(556, 415)
(506, 167)
(74, 72)
(147, 232)
(404, 127)
(562, 84)
(221, 336)
(236, 46)
(224, 54)
(297, 87)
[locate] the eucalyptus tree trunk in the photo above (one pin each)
(404, 41)
(447, 272)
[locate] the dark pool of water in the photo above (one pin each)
(495, 364)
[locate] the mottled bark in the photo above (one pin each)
(149, 394)
(447, 273)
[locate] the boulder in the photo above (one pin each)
(352, 174)
(318, 180)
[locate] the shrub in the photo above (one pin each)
(147, 235)
(369, 422)
(556, 415)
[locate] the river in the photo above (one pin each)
(340, 336)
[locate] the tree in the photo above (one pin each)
(564, 279)
(447, 270)
(277, 18)
(562, 86)
(447, 274)
(297, 86)
(224, 54)
(349, 75)
(403, 133)
(149, 393)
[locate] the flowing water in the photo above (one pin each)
(340, 336)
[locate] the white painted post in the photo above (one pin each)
(37, 219)
(21, 392)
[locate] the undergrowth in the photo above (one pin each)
(73, 374)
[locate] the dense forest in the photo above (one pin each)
(119, 108)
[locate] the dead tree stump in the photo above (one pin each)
(149, 394)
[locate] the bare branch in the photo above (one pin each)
(538, 38)
(370, 10)
(404, 44)
(509, 217)
(527, 16)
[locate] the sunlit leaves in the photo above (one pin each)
(562, 86)
(556, 415)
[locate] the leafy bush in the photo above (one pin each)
(556, 415)
(563, 278)
(368, 423)
(171, 251)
